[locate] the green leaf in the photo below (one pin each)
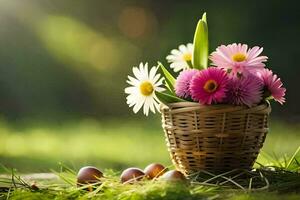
(170, 80)
(167, 98)
(200, 54)
(204, 18)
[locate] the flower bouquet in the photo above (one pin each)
(215, 116)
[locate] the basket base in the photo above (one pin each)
(215, 163)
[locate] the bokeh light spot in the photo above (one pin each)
(135, 22)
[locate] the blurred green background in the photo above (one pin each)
(63, 66)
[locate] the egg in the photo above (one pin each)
(173, 175)
(154, 170)
(34, 187)
(88, 175)
(131, 175)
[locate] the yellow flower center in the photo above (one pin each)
(187, 57)
(146, 88)
(210, 86)
(239, 57)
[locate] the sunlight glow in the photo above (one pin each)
(77, 44)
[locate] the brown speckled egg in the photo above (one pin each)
(155, 170)
(88, 175)
(131, 175)
(173, 175)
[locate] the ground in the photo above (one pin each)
(115, 145)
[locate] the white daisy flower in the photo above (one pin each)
(181, 58)
(142, 89)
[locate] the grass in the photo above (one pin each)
(110, 144)
(107, 145)
(279, 183)
(119, 144)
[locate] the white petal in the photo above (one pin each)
(145, 71)
(130, 104)
(159, 89)
(183, 48)
(176, 52)
(137, 73)
(152, 106)
(152, 72)
(132, 81)
(172, 59)
(159, 83)
(156, 104)
(131, 100)
(177, 66)
(155, 79)
(146, 106)
(190, 47)
(141, 67)
(139, 104)
(130, 90)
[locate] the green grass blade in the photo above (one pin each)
(167, 98)
(170, 80)
(200, 54)
(293, 157)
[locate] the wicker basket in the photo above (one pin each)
(214, 138)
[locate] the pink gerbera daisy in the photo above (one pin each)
(238, 59)
(245, 90)
(182, 85)
(209, 86)
(272, 85)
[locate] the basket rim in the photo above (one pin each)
(179, 107)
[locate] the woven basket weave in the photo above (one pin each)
(215, 138)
